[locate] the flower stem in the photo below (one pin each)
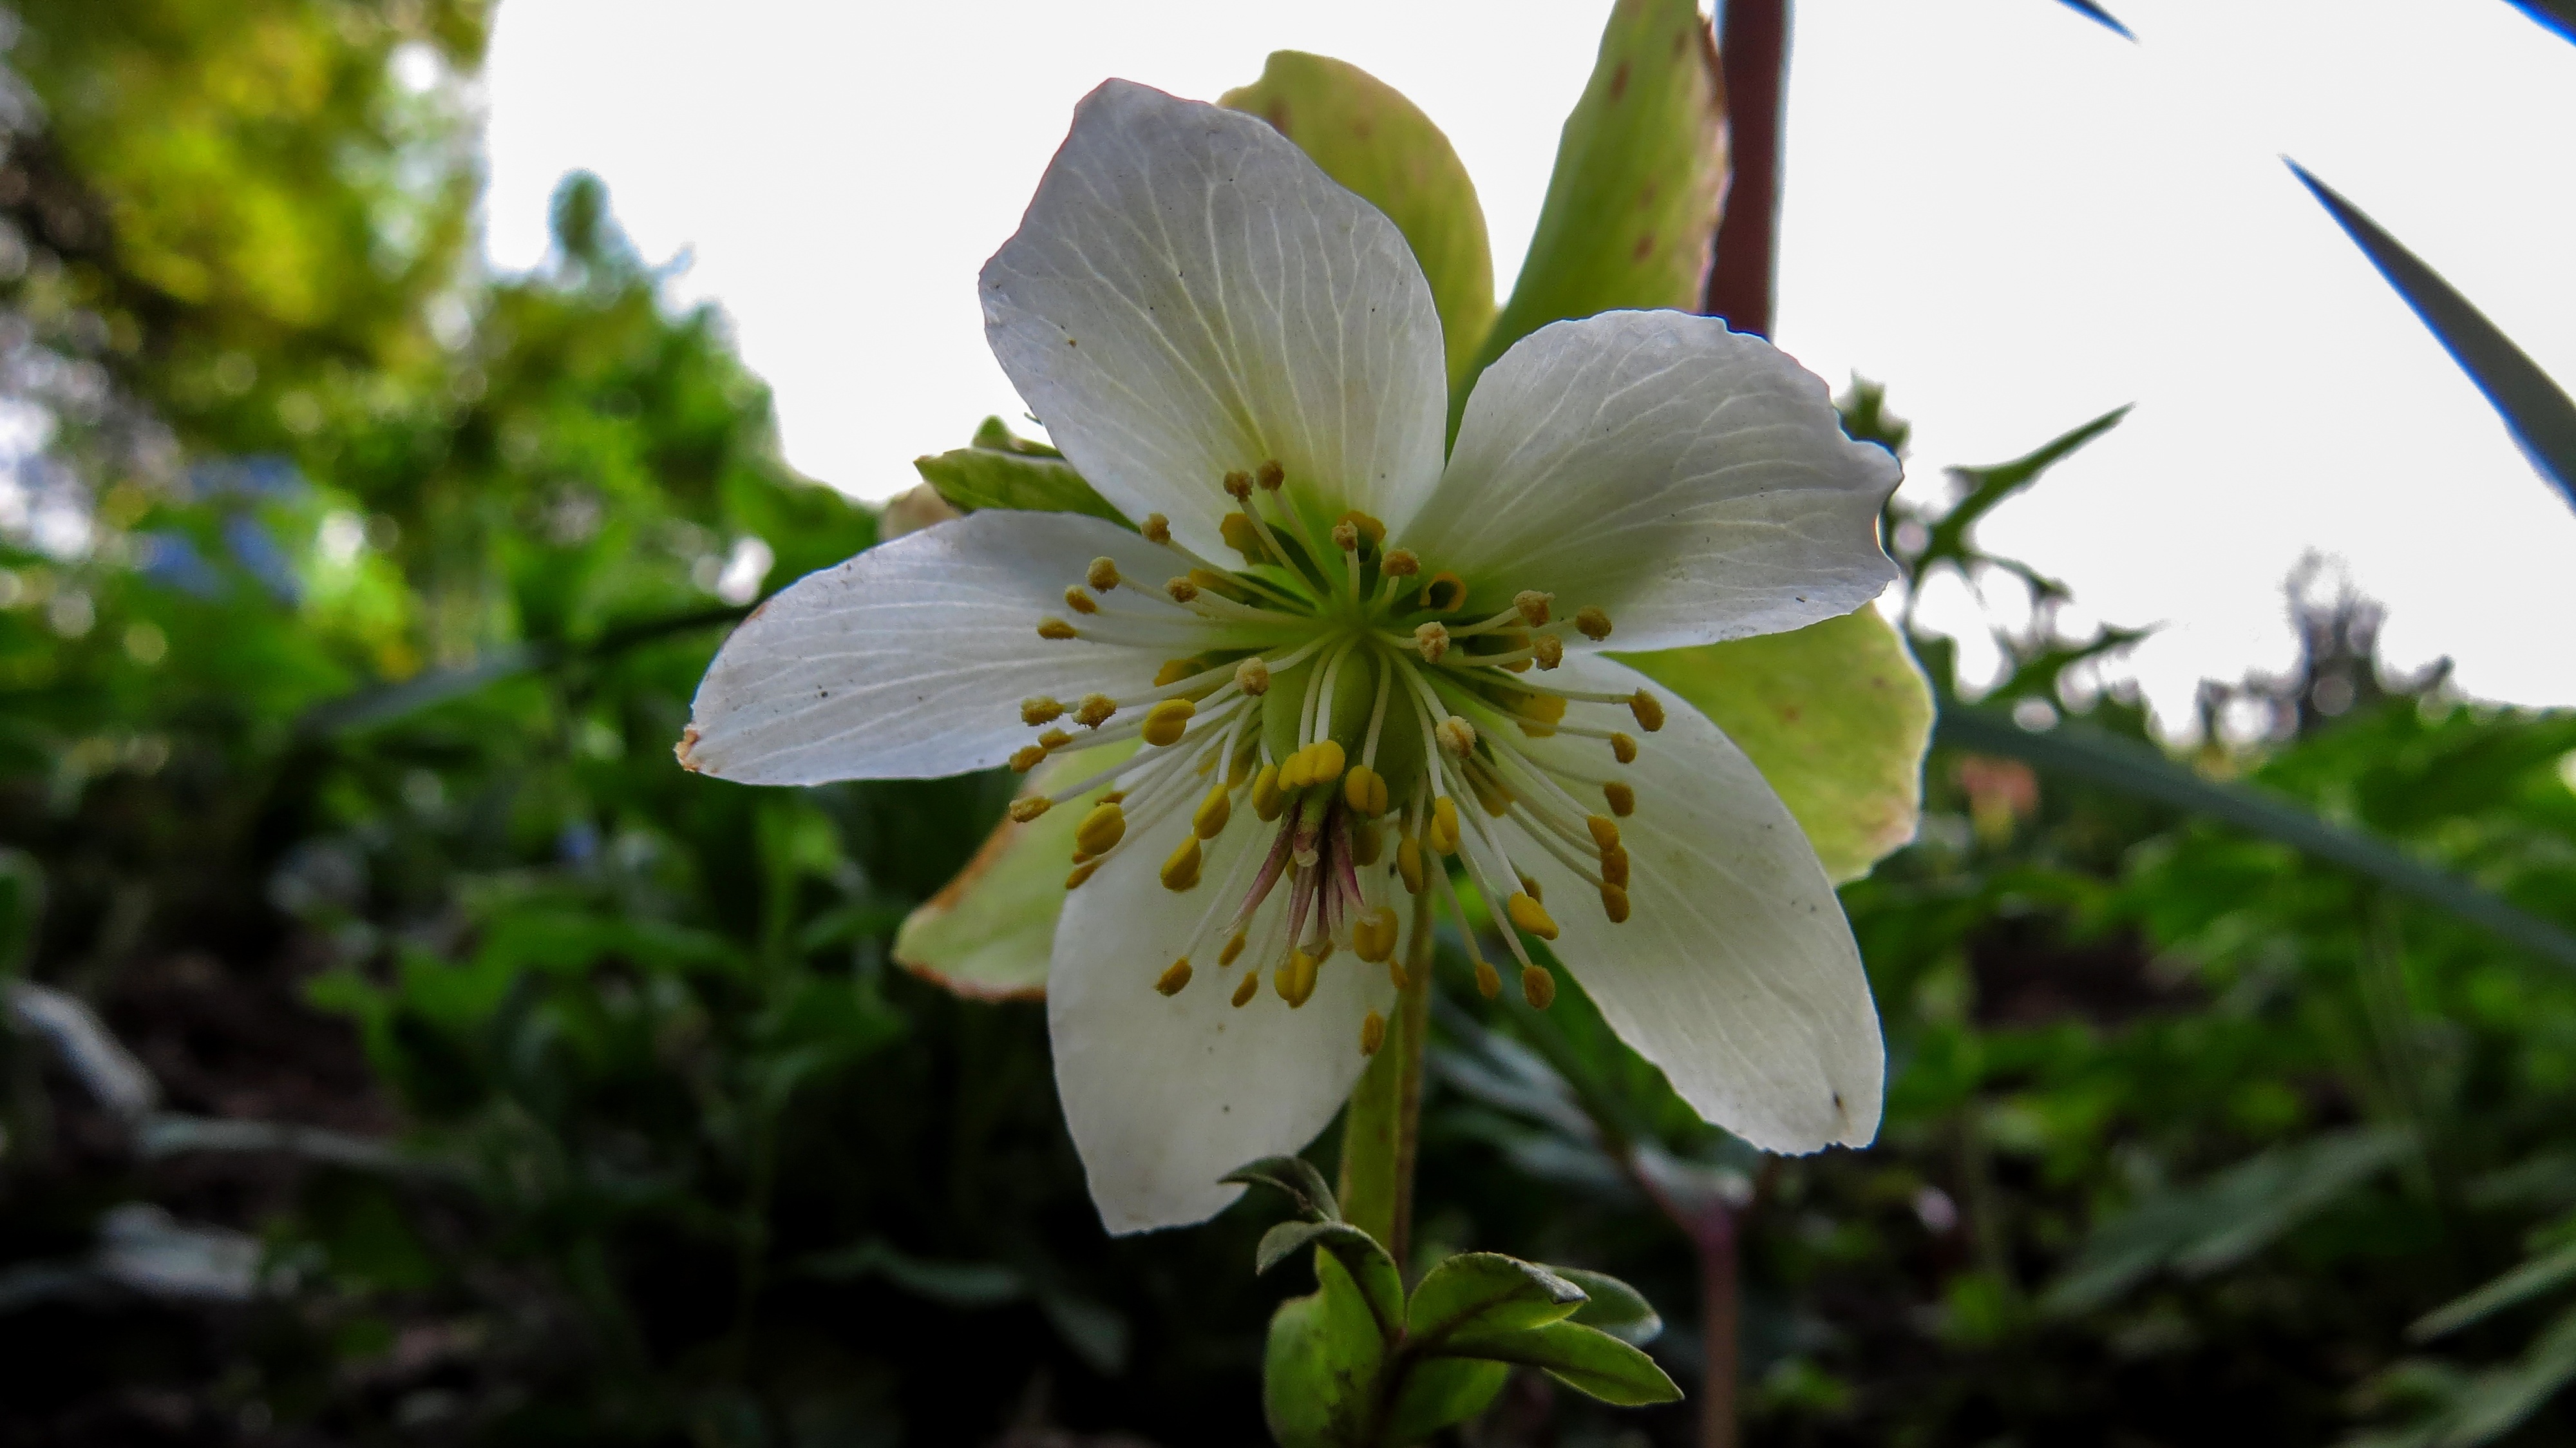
(1384, 1121)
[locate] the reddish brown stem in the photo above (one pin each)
(1753, 54)
(1710, 1225)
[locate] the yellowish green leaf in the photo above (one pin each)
(989, 932)
(1367, 136)
(1836, 715)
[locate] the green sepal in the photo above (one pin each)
(1585, 1359)
(1614, 1307)
(1479, 1294)
(1632, 207)
(1298, 1179)
(1836, 715)
(1323, 1365)
(1004, 471)
(1442, 1391)
(1364, 134)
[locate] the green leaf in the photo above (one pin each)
(989, 933)
(2224, 1220)
(1297, 1177)
(1367, 136)
(1613, 1307)
(1360, 1256)
(1632, 206)
(1320, 1375)
(1486, 1293)
(1441, 1392)
(1585, 1359)
(2536, 410)
(1949, 542)
(2101, 17)
(2135, 769)
(1836, 715)
(991, 477)
(2542, 1274)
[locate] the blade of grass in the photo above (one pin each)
(2535, 409)
(2138, 770)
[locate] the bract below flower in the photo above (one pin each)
(1348, 662)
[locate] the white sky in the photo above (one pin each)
(2012, 217)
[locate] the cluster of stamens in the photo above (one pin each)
(1347, 700)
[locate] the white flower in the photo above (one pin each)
(1345, 659)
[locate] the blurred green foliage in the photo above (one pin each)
(514, 1085)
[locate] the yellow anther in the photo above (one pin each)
(1054, 739)
(1029, 808)
(1614, 903)
(1243, 537)
(1549, 650)
(1055, 628)
(1432, 640)
(1181, 871)
(1443, 834)
(1181, 590)
(1157, 529)
(1533, 605)
(1292, 772)
(1623, 800)
(1648, 709)
(1605, 831)
(1166, 721)
(1270, 476)
(1295, 978)
(1491, 795)
(1081, 872)
(1530, 886)
(1039, 709)
(1445, 593)
(1457, 736)
(1252, 676)
(1324, 761)
(1544, 708)
(1233, 948)
(1537, 987)
(1102, 574)
(1239, 768)
(1396, 973)
(1243, 991)
(1489, 983)
(1367, 843)
(1238, 486)
(1373, 934)
(1346, 536)
(1268, 799)
(1623, 748)
(1592, 623)
(1172, 671)
(1399, 563)
(1115, 796)
(1372, 1033)
(1094, 710)
(1614, 866)
(1530, 915)
(1028, 757)
(1100, 829)
(1079, 601)
(1370, 528)
(1408, 863)
(1210, 581)
(1175, 977)
(1364, 790)
(1208, 821)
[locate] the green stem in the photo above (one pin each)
(1383, 1124)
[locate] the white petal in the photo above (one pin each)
(1735, 972)
(1692, 481)
(910, 660)
(1189, 295)
(1166, 1094)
